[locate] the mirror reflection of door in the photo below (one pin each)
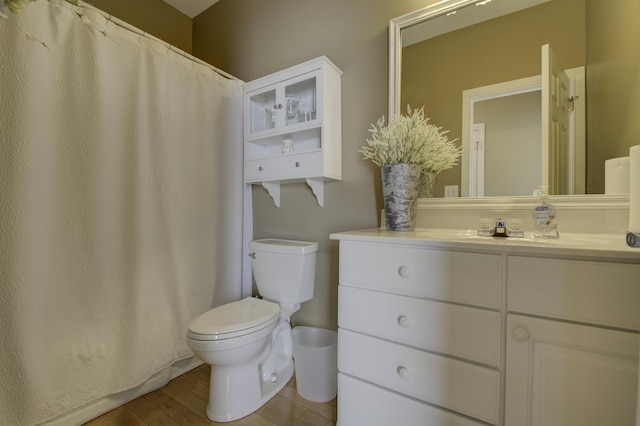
(557, 158)
(511, 152)
(533, 134)
(508, 160)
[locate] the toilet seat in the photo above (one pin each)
(234, 319)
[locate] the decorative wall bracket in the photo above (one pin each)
(316, 185)
(273, 188)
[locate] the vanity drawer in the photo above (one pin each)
(361, 403)
(445, 275)
(592, 292)
(466, 388)
(441, 327)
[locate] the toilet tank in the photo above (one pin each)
(284, 270)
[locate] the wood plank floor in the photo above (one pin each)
(183, 401)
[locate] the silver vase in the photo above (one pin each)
(400, 191)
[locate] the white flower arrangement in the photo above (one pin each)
(411, 139)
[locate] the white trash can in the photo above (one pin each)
(316, 363)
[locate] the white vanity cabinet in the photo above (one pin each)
(572, 342)
(485, 331)
(414, 335)
(292, 128)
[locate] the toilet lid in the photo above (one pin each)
(234, 319)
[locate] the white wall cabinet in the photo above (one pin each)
(292, 128)
(448, 333)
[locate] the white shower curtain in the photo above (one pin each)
(120, 207)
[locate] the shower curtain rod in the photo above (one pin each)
(119, 22)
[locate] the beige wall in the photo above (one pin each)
(153, 16)
(613, 124)
(437, 71)
(252, 38)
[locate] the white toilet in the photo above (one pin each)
(248, 343)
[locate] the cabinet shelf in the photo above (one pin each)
(293, 128)
(296, 132)
(271, 146)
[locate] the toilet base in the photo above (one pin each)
(238, 390)
(245, 394)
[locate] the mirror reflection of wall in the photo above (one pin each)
(613, 84)
(435, 72)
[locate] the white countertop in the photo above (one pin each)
(610, 247)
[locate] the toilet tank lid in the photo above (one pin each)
(276, 245)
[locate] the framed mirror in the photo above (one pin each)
(444, 55)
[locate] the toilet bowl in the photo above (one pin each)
(248, 343)
(235, 339)
(235, 331)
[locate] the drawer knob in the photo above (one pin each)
(297, 164)
(260, 168)
(403, 372)
(520, 334)
(404, 271)
(403, 321)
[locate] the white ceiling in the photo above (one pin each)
(191, 8)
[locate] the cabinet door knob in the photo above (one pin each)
(404, 271)
(520, 334)
(403, 372)
(403, 321)
(297, 164)
(260, 168)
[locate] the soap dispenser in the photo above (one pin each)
(545, 223)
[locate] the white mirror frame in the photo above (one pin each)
(395, 42)
(579, 202)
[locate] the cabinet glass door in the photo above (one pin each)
(300, 100)
(263, 111)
